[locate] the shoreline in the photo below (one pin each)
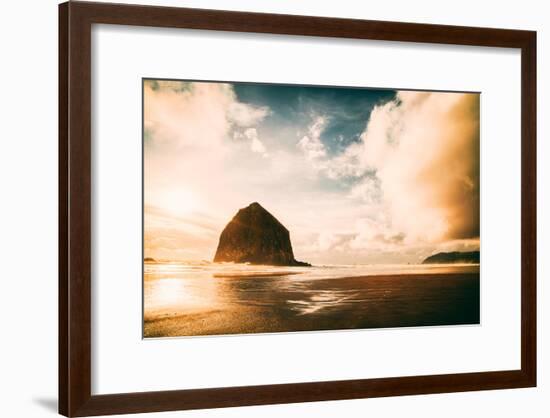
(274, 304)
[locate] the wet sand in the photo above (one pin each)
(272, 303)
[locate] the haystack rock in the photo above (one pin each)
(255, 236)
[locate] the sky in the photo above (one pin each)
(357, 175)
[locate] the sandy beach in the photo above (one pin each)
(275, 303)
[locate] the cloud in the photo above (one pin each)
(414, 170)
(367, 190)
(255, 144)
(179, 114)
(315, 152)
(311, 145)
(245, 115)
(188, 117)
(424, 148)
(371, 232)
(166, 235)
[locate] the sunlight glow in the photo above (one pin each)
(179, 202)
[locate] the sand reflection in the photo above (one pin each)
(322, 299)
(168, 291)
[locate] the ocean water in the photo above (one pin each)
(203, 298)
(206, 269)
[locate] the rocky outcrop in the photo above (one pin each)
(255, 236)
(455, 257)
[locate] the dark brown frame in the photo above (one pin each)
(75, 23)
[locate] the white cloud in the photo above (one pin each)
(255, 144)
(197, 115)
(416, 166)
(345, 164)
(311, 144)
(245, 115)
(367, 191)
(186, 118)
(424, 148)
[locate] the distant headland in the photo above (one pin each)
(455, 257)
(255, 236)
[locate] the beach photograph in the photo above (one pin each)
(289, 208)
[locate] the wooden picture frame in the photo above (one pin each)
(75, 183)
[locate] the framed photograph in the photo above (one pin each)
(259, 209)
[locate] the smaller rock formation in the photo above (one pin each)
(455, 257)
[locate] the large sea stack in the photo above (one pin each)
(255, 236)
